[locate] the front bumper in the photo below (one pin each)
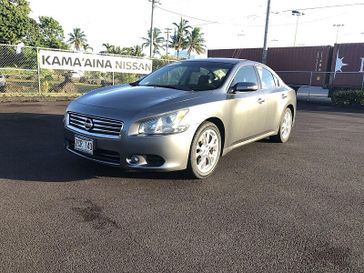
(164, 152)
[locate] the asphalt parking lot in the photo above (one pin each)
(297, 207)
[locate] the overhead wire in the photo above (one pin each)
(209, 22)
(187, 16)
(329, 6)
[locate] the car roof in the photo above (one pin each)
(221, 60)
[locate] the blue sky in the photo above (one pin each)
(239, 23)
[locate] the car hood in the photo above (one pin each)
(133, 99)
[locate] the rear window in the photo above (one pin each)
(266, 78)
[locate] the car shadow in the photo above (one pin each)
(31, 149)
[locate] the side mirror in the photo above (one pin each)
(245, 87)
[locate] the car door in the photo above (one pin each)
(248, 112)
(272, 91)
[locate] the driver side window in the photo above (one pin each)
(245, 74)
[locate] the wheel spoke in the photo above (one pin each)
(203, 163)
(200, 160)
(199, 151)
(211, 158)
(206, 138)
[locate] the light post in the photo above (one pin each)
(167, 31)
(265, 44)
(298, 14)
(151, 27)
(338, 26)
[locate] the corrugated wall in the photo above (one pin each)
(315, 59)
(304, 59)
(347, 58)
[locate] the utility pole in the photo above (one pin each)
(338, 26)
(151, 27)
(265, 45)
(298, 14)
(167, 31)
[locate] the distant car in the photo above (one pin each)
(2, 81)
(183, 116)
(75, 75)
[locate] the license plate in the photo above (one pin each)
(84, 145)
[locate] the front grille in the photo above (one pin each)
(95, 124)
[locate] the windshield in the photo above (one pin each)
(195, 76)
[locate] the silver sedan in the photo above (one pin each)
(183, 116)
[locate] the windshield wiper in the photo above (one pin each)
(177, 87)
(134, 83)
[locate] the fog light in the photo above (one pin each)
(136, 160)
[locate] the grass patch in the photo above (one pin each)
(30, 87)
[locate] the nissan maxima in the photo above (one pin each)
(183, 116)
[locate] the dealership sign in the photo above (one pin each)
(93, 62)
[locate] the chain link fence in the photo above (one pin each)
(332, 80)
(20, 74)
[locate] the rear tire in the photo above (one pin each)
(285, 127)
(205, 151)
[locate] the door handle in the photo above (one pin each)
(261, 100)
(284, 96)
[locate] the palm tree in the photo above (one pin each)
(87, 47)
(107, 46)
(77, 38)
(158, 41)
(112, 49)
(195, 42)
(127, 51)
(179, 38)
(137, 51)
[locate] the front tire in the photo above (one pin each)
(205, 151)
(285, 127)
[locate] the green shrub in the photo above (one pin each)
(47, 74)
(158, 63)
(126, 78)
(348, 98)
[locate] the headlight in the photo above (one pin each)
(163, 124)
(65, 118)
